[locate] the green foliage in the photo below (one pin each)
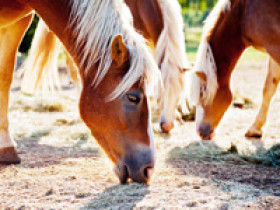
(198, 4)
(26, 42)
(195, 11)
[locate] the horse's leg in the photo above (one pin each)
(272, 80)
(10, 37)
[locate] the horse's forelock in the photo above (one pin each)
(206, 63)
(192, 88)
(170, 52)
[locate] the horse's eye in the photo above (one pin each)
(134, 98)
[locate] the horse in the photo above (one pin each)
(158, 21)
(115, 76)
(231, 27)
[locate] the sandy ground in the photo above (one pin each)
(64, 168)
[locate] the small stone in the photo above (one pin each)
(225, 206)
(238, 104)
(49, 192)
(191, 204)
(82, 195)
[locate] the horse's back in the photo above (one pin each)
(262, 25)
(266, 13)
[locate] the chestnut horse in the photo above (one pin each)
(232, 26)
(115, 65)
(159, 21)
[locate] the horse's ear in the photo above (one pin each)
(119, 51)
(201, 75)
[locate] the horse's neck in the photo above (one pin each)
(226, 42)
(147, 18)
(56, 15)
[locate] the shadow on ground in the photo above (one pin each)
(119, 196)
(35, 155)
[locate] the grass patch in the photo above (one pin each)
(231, 155)
(40, 107)
(242, 102)
(270, 157)
(193, 36)
(33, 135)
(253, 55)
(250, 54)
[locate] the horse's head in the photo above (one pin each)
(220, 47)
(121, 125)
(211, 99)
(210, 95)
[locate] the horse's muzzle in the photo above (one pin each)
(166, 127)
(137, 166)
(205, 131)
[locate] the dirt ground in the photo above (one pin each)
(64, 168)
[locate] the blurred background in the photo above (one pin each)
(194, 13)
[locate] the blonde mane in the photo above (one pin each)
(221, 7)
(170, 56)
(170, 47)
(205, 61)
(97, 22)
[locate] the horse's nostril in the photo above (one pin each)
(122, 173)
(140, 164)
(147, 172)
(125, 175)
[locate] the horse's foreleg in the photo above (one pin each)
(10, 38)
(271, 83)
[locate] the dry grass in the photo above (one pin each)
(63, 167)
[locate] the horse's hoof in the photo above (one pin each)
(9, 156)
(257, 134)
